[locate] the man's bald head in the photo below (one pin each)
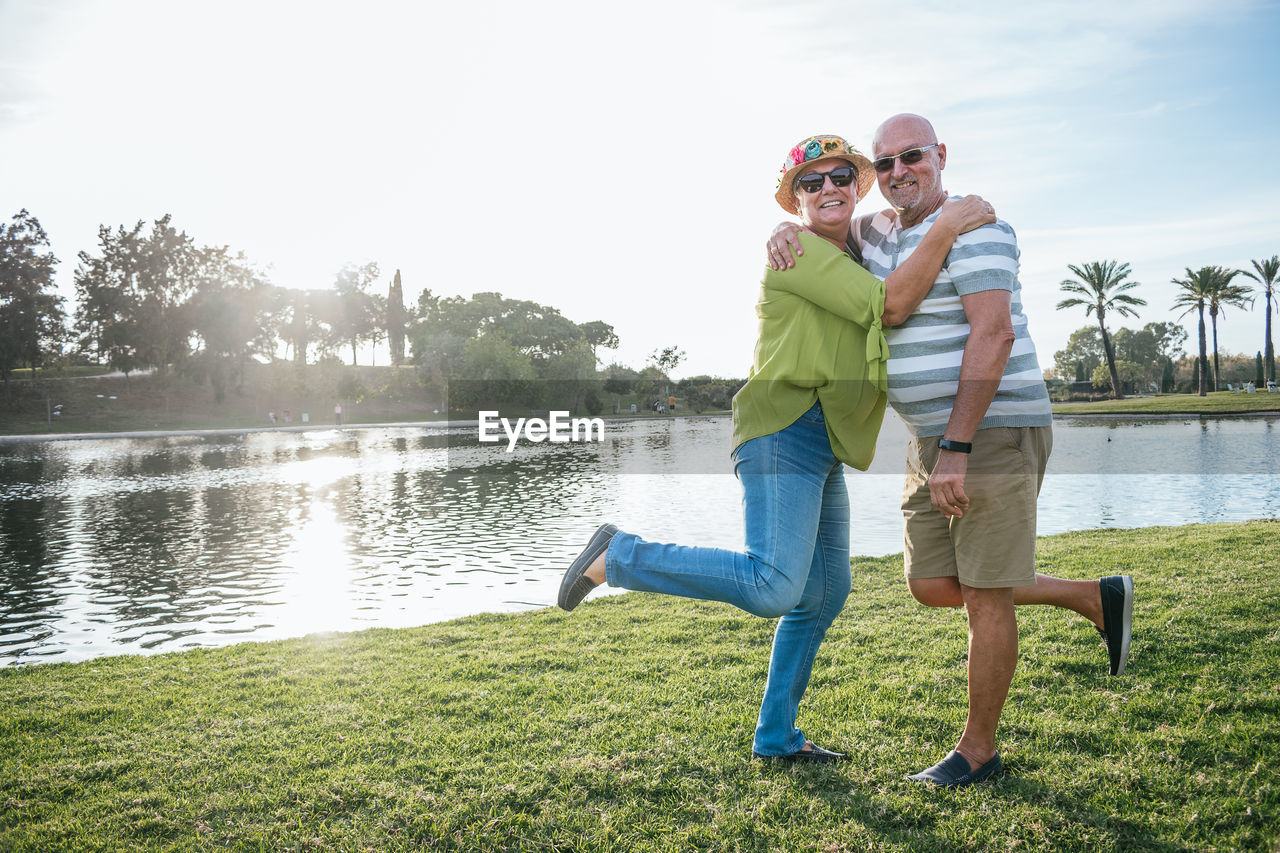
(904, 123)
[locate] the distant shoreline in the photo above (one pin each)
(456, 424)
(1163, 416)
(169, 433)
(308, 427)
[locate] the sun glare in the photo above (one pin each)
(317, 591)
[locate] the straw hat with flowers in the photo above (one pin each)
(818, 149)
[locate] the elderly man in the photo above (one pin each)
(964, 378)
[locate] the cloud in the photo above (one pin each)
(615, 161)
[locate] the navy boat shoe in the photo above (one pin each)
(1117, 619)
(576, 584)
(954, 771)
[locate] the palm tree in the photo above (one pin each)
(1196, 288)
(1226, 293)
(1101, 287)
(1268, 275)
(1209, 287)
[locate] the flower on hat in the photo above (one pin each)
(811, 149)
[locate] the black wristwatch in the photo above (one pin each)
(955, 446)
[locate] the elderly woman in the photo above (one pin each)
(814, 399)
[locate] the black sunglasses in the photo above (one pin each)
(841, 176)
(909, 158)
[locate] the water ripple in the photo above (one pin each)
(146, 545)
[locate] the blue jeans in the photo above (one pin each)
(796, 564)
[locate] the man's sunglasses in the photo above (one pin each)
(909, 158)
(841, 176)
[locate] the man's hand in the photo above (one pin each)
(965, 214)
(946, 483)
(783, 243)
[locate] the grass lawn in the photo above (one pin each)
(109, 404)
(627, 724)
(1215, 403)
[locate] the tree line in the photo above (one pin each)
(149, 297)
(1129, 358)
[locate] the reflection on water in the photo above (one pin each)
(138, 545)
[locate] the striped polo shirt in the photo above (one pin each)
(926, 350)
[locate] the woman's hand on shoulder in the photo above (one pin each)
(965, 214)
(784, 245)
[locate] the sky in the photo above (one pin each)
(619, 162)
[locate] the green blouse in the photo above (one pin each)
(820, 341)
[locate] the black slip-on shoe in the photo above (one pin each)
(1117, 619)
(575, 585)
(954, 771)
(814, 755)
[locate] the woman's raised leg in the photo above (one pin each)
(783, 478)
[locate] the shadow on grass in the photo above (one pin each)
(891, 822)
(904, 822)
(1125, 834)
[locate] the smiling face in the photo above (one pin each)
(828, 211)
(915, 191)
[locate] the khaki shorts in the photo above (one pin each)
(994, 543)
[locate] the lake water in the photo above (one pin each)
(130, 545)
